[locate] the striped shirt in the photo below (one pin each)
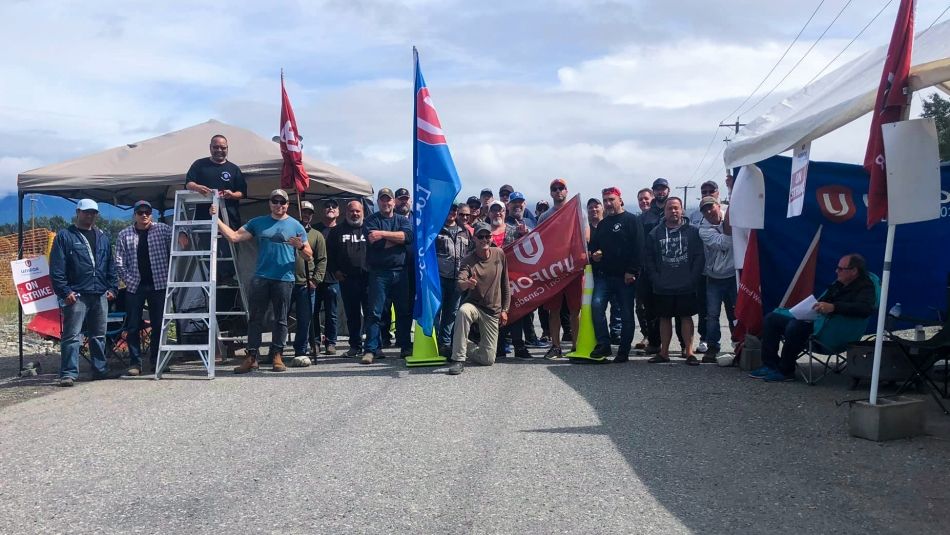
(127, 260)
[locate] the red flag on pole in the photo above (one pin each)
(749, 302)
(803, 283)
(893, 96)
(292, 174)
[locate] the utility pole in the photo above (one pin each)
(736, 125)
(32, 214)
(685, 192)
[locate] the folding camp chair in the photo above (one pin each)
(117, 346)
(830, 338)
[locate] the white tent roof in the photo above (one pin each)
(837, 98)
(155, 168)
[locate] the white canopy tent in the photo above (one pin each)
(838, 98)
(155, 168)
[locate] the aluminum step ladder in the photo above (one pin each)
(192, 295)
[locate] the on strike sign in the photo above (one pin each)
(33, 285)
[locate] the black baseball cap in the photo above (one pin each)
(402, 192)
(593, 200)
(661, 183)
(487, 191)
(712, 183)
(473, 202)
(506, 187)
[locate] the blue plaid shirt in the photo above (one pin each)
(127, 260)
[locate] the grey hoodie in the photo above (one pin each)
(718, 250)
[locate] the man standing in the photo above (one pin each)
(346, 256)
(501, 232)
(308, 275)
(328, 291)
(675, 262)
(720, 273)
(389, 236)
(851, 294)
(452, 244)
(570, 299)
(279, 238)
(476, 211)
(595, 214)
(644, 201)
(82, 270)
(615, 247)
(403, 202)
(218, 173)
(483, 275)
(518, 215)
(141, 261)
(504, 193)
(708, 189)
(650, 218)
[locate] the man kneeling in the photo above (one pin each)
(483, 275)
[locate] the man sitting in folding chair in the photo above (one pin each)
(851, 296)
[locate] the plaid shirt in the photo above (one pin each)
(127, 259)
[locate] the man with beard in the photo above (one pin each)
(708, 188)
(328, 291)
(650, 218)
(389, 236)
(403, 202)
(518, 216)
(309, 274)
(346, 254)
(483, 275)
(595, 214)
(675, 262)
(503, 234)
(569, 300)
(452, 244)
(403, 208)
(615, 245)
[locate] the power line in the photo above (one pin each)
(940, 16)
(866, 26)
(805, 55)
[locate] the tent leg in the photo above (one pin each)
(20, 257)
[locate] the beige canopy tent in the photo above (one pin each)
(155, 168)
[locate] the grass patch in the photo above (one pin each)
(8, 305)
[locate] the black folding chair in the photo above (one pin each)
(922, 356)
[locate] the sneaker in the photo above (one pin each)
(522, 353)
(658, 359)
(702, 347)
(300, 362)
(456, 368)
(367, 358)
(403, 353)
(445, 351)
(776, 376)
(133, 371)
(354, 352)
(601, 351)
(691, 360)
(760, 372)
(537, 343)
(66, 381)
(709, 358)
(546, 340)
(331, 350)
(553, 353)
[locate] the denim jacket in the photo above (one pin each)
(72, 269)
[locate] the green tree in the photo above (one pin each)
(939, 108)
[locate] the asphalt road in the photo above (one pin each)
(522, 447)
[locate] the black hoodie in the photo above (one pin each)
(346, 249)
(674, 258)
(620, 238)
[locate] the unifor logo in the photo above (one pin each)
(836, 203)
(617, 227)
(29, 263)
(530, 250)
(226, 176)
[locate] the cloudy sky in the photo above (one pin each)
(613, 92)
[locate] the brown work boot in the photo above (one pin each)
(249, 363)
(278, 363)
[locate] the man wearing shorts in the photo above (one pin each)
(675, 262)
(571, 296)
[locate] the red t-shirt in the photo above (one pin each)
(499, 238)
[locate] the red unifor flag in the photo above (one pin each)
(893, 95)
(803, 283)
(749, 300)
(292, 174)
(543, 263)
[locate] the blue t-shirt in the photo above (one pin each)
(276, 259)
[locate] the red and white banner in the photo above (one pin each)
(293, 175)
(544, 262)
(33, 285)
(803, 283)
(796, 189)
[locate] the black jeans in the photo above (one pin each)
(355, 292)
(264, 293)
(134, 303)
(795, 333)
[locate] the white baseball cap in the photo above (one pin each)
(87, 204)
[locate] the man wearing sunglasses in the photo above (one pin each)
(217, 173)
(141, 261)
(851, 294)
(82, 269)
(483, 275)
(569, 302)
(279, 239)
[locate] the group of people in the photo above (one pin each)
(658, 268)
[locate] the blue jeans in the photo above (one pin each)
(794, 333)
(355, 294)
(719, 292)
(263, 293)
(609, 288)
(451, 297)
(89, 311)
(303, 299)
(328, 295)
(134, 303)
(391, 284)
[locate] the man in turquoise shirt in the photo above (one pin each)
(278, 238)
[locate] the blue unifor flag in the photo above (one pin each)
(435, 184)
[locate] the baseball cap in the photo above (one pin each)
(473, 202)
(506, 187)
(331, 202)
(480, 226)
(560, 181)
(661, 183)
(307, 205)
(498, 204)
(402, 192)
(542, 202)
(87, 204)
(385, 192)
(279, 193)
(516, 196)
(710, 183)
(593, 200)
(487, 191)
(707, 201)
(139, 204)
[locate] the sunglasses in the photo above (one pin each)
(707, 191)
(842, 268)
(143, 212)
(278, 201)
(558, 188)
(483, 237)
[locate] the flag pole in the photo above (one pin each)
(882, 313)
